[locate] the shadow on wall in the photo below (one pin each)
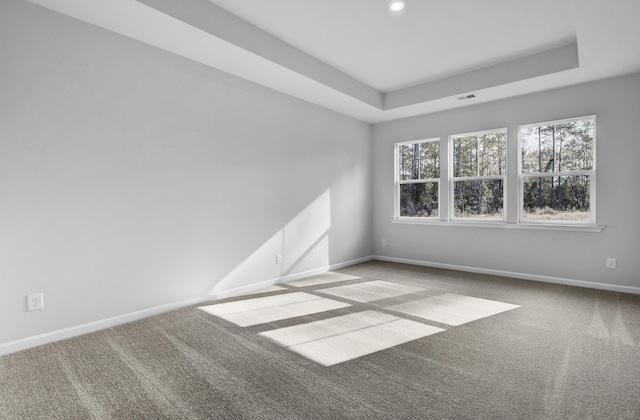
(303, 243)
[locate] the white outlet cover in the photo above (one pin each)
(35, 302)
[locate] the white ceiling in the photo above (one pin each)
(358, 59)
(432, 39)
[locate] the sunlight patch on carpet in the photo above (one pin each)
(339, 339)
(371, 290)
(256, 311)
(453, 309)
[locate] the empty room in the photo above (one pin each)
(304, 209)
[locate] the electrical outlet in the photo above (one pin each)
(35, 302)
(278, 258)
(611, 263)
(384, 242)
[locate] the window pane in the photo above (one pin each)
(562, 147)
(574, 145)
(479, 199)
(465, 152)
(430, 160)
(557, 198)
(493, 154)
(537, 149)
(419, 200)
(419, 160)
(483, 155)
(406, 161)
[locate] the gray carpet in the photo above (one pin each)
(564, 353)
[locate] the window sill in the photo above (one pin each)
(502, 225)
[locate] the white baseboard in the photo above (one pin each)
(522, 276)
(63, 334)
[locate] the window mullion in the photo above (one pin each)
(564, 173)
(418, 181)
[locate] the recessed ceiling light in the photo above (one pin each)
(397, 5)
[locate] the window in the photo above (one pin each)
(557, 171)
(478, 168)
(417, 178)
(552, 184)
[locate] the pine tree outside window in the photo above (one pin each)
(557, 171)
(417, 179)
(478, 170)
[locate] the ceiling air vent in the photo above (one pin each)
(469, 96)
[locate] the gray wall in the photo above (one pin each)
(132, 178)
(545, 255)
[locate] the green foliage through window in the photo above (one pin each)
(479, 198)
(562, 147)
(557, 161)
(419, 199)
(418, 175)
(556, 182)
(481, 155)
(419, 160)
(479, 166)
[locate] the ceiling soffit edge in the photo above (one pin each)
(551, 61)
(230, 28)
(206, 33)
(224, 25)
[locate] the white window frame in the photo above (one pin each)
(452, 179)
(591, 173)
(398, 182)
